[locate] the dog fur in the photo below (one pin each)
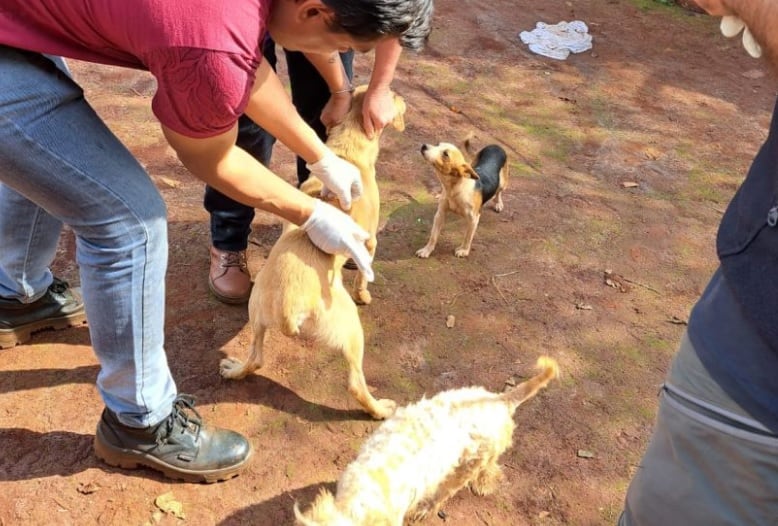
(424, 454)
(466, 188)
(300, 288)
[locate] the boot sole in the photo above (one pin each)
(231, 300)
(23, 333)
(132, 459)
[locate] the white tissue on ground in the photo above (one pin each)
(558, 40)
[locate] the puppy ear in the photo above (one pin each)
(466, 171)
(399, 113)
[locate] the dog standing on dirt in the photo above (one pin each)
(300, 288)
(466, 188)
(424, 454)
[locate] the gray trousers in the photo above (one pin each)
(708, 463)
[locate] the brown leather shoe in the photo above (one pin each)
(229, 278)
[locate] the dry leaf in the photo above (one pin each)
(583, 306)
(170, 183)
(88, 488)
(652, 153)
(629, 184)
(450, 321)
(753, 74)
(167, 503)
(583, 453)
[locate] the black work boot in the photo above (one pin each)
(59, 308)
(181, 446)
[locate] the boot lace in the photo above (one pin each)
(184, 415)
(58, 286)
(233, 259)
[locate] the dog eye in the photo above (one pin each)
(444, 154)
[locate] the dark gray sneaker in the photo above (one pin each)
(61, 307)
(181, 446)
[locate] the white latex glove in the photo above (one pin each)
(732, 25)
(339, 177)
(336, 233)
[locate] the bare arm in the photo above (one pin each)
(378, 109)
(235, 173)
(761, 17)
(330, 67)
(270, 107)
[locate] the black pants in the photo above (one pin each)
(230, 220)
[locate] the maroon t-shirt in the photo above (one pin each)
(203, 53)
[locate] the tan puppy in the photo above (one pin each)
(466, 188)
(348, 140)
(424, 454)
(300, 288)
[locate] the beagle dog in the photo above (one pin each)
(466, 188)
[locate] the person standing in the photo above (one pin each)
(713, 456)
(60, 164)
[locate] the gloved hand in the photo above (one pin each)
(339, 176)
(732, 25)
(336, 233)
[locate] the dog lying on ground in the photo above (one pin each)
(300, 288)
(424, 454)
(466, 188)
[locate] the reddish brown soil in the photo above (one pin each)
(662, 101)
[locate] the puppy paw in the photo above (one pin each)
(424, 253)
(385, 409)
(232, 368)
(422, 510)
(498, 207)
(362, 297)
(461, 252)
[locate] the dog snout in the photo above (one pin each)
(424, 147)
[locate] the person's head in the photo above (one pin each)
(324, 26)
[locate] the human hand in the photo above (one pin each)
(714, 7)
(336, 108)
(378, 110)
(336, 233)
(339, 176)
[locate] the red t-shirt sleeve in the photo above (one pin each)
(200, 93)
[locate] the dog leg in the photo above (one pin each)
(234, 369)
(360, 293)
(347, 334)
(453, 483)
(498, 204)
(464, 250)
(488, 479)
(437, 226)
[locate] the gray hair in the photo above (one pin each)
(372, 19)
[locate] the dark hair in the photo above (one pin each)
(372, 19)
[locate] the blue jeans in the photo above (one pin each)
(231, 220)
(60, 164)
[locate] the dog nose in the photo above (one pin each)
(424, 148)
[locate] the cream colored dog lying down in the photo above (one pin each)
(300, 290)
(424, 454)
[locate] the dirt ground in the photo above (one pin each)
(623, 159)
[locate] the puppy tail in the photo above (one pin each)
(301, 519)
(549, 370)
(322, 511)
(467, 142)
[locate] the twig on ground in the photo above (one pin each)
(639, 284)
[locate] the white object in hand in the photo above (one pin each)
(339, 177)
(336, 233)
(732, 25)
